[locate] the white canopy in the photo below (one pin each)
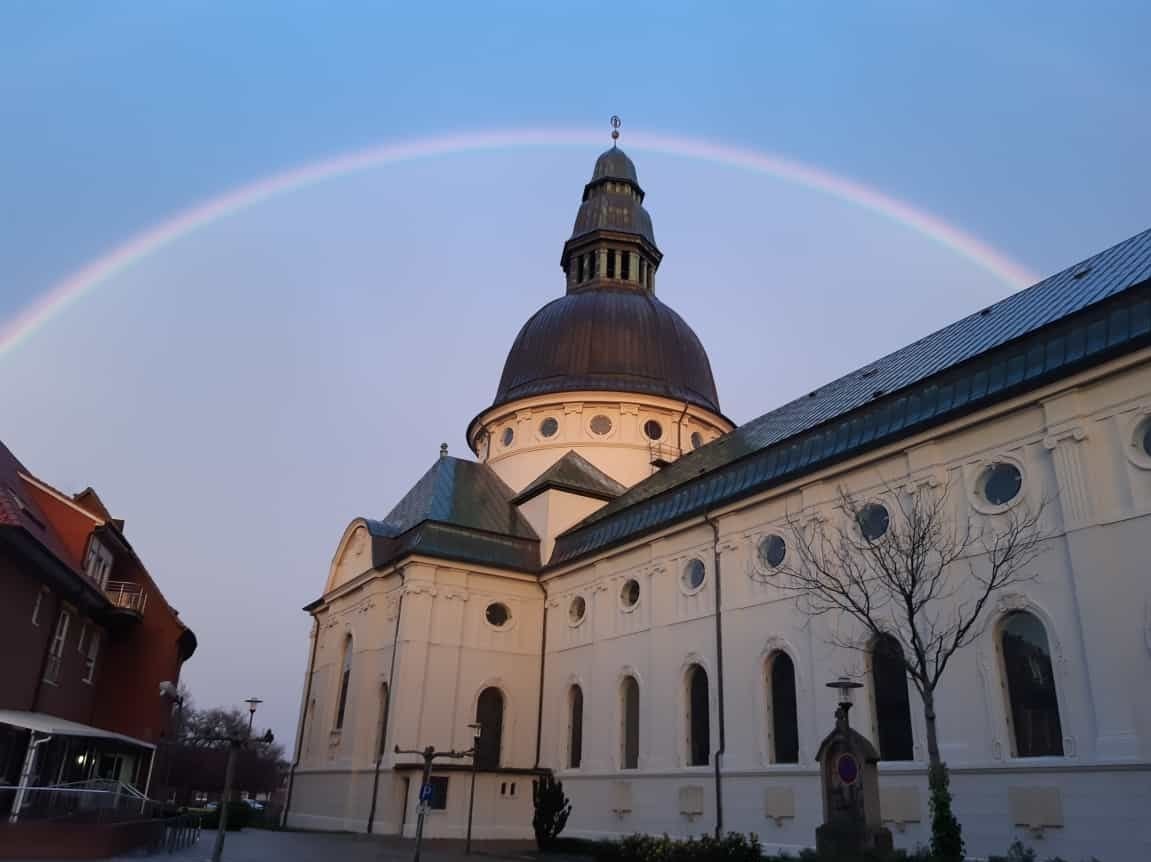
(54, 726)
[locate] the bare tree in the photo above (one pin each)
(921, 575)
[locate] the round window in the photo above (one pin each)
(508, 436)
(652, 429)
(772, 550)
(693, 574)
(549, 427)
(1146, 438)
(577, 609)
(696, 439)
(629, 594)
(600, 425)
(873, 521)
(497, 614)
(1000, 483)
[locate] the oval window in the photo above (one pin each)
(873, 521)
(629, 594)
(652, 429)
(1146, 438)
(772, 550)
(549, 427)
(497, 614)
(508, 436)
(693, 574)
(600, 425)
(1001, 483)
(577, 609)
(696, 439)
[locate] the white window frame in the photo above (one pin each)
(56, 650)
(36, 607)
(98, 562)
(91, 657)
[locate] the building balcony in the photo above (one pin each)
(127, 598)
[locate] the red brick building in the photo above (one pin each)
(86, 638)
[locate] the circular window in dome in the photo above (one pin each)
(696, 439)
(629, 593)
(772, 550)
(694, 574)
(577, 609)
(873, 521)
(508, 436)
(600, 425)
(1144, 435)
(549, 427)
(652, 429)
(497, 614)
(999, 483)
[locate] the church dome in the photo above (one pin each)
(613, 200)
(610, 338)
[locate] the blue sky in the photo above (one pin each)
(240, 396)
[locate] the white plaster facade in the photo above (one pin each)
(419, 625)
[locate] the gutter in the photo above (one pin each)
(303, 716)
(719, 678)
(387, 707)
(543, 663)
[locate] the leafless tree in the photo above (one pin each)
(926, 580)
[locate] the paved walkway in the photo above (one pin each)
(262, 845)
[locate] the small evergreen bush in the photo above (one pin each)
(946, 833)
(552, 809)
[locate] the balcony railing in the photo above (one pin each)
(126, 595)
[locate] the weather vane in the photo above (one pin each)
(615, 124)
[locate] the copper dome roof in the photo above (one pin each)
(617, 339)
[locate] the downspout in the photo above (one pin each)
(719, 678)
(543, 660)
(679, 429)
(387, 707)
(303, 719)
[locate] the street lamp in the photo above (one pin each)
(846, 687)
(477, 732)
(252, 702)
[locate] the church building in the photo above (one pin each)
(597, 593)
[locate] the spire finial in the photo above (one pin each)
(615, 124)
(443, 450)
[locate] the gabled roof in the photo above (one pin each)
(458, 510)
(576, 474)
(18, 509)
(1080, 316)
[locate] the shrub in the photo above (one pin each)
(552, 809)
(239, 816)
(733, 847)
(946, 833)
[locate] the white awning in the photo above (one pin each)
(54, 726)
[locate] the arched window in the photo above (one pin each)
(892, 709)
(384, 706)
(575, 738)
(1034, 712)
(629, 703)
(345, 680)
(490, 718)
(698, 717)
(782, 709)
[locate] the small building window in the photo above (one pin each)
(782, 708)
(892, 708)
(625, 266)
(1146, 441)
(999, 483)
(580, 269)
(629, 593)
(439, 798)
(38, 605)
(698, 717)
(575, 728)
(693, 575)
(508, 436)
(629, 707)
(652, 429)
(611, 263)
(873, 521)
(696, 439)
(772, 551)
(593, 265)
(600, 425)
(90, 658)
(56, 651)
(1034, 712)
(497, 614)
(97, 562)
(345, 682)
(490, 718)
(577, 609)
(549, 427)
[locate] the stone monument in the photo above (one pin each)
(850, 782)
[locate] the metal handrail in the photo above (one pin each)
(126, 594)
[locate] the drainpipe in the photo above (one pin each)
(719, 677)
(387, 707)
(543, 660)
(679, 429)
(303, 719)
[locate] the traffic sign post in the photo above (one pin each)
(429, 755)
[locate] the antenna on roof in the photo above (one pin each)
(443, 450)
(616, 122)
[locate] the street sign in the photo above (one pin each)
(425, 793)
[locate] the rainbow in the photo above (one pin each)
(86, 279)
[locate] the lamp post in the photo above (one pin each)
(846, 687)
(428, 754)
(235, 743)
(252, 702)
(477, 732)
